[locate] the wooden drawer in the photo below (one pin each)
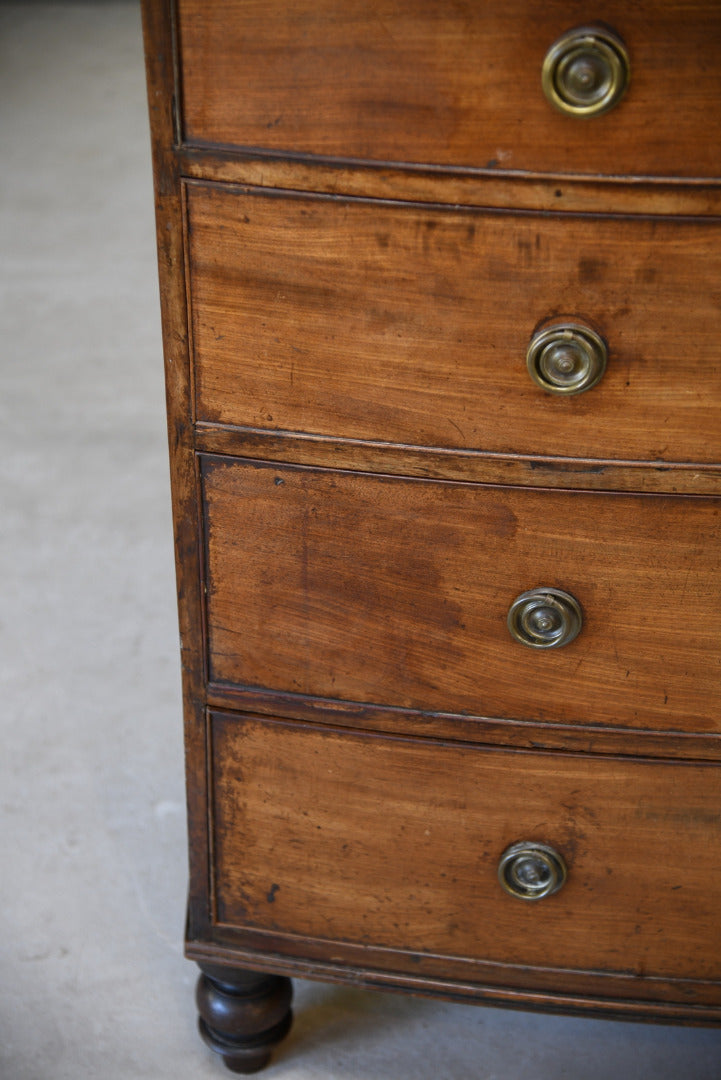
(395, 842)
(318, 78)
(410, 325)
(395, 591)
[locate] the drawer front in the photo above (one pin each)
(407, 324)
(449, 84)
(396, 591)
(395, 843)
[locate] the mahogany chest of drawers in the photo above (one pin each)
(441, 292)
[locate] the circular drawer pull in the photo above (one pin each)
(566, 358)
(586, 72)
(545, 618)
(531, 871)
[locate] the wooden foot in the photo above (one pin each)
(243, 1014)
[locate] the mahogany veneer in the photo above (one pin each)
(452, 84)
(407, 322)
(366, 213)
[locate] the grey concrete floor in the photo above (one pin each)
(92, 857)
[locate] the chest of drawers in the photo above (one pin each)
(441, 291)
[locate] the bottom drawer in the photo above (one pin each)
(393, 843)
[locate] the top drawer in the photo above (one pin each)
(452, 84)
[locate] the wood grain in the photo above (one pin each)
(580, 993)
(395, 843)
(395, 591)
(479, 466)
(466, 727)
(454, 186)
(169, 215)
(449, 83)
(363, 211)
(410, 325)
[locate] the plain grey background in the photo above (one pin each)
(92, 860)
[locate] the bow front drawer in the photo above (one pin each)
(412, 325)
(396, 844)
(412, 593)
(635, 93)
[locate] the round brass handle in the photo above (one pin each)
(586, 72)
(566, 358)
(531, 871)
(545, 618)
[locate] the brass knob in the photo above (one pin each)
(545, 618)
(586, 72)
(531, 871)
(566, 358)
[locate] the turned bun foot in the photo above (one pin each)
(243, 1014)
